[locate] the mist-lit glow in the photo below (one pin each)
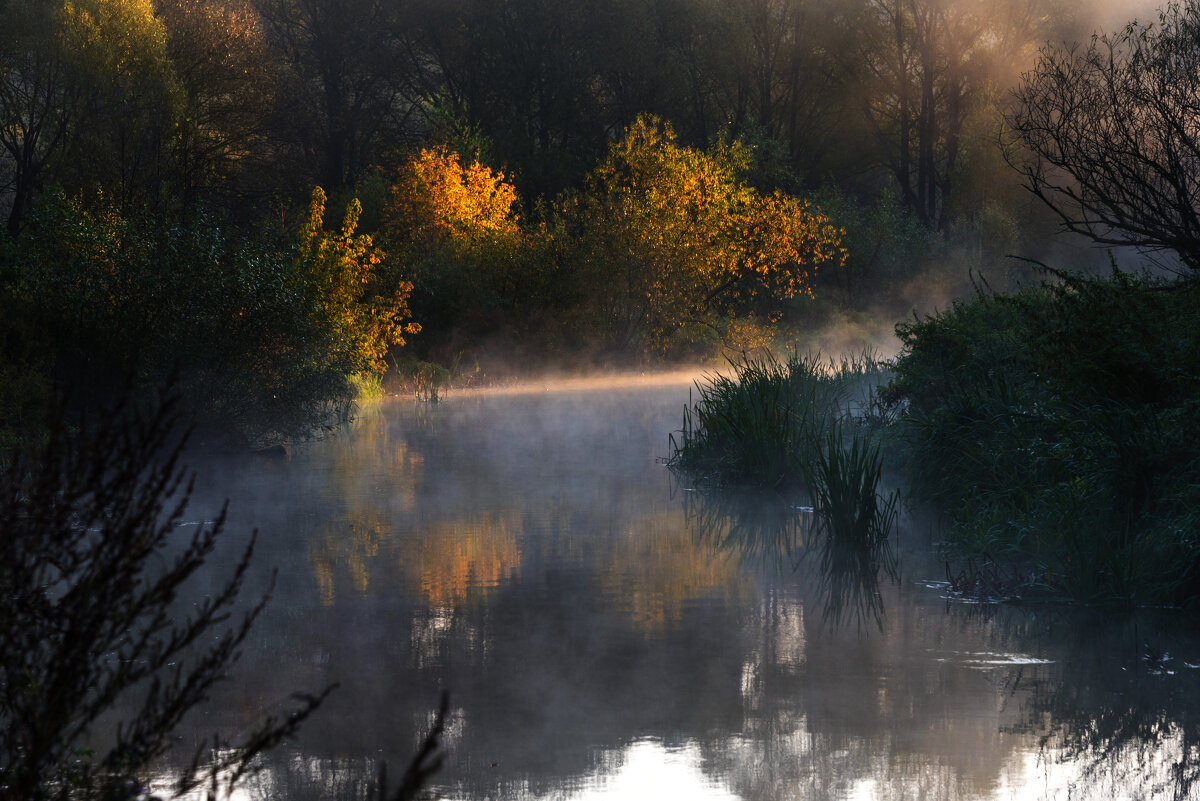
(593, 383)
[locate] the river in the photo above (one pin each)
(604, 632)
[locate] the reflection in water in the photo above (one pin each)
(646, 770)
(655, 571)
(603, 633)
(772, 530)
(448, 561)
(849, 574)
(1129, 715)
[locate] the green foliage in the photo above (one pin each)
(263, 332)
(759, 426)
(1056, 428)
(791, 424)
(885, 244)
(87, 97)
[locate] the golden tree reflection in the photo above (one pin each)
(655, 569)
(354, 548)
(450, 561)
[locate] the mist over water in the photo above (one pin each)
(605, 632)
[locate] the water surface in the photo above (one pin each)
(604, 632)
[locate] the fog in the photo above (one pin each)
(600, 631)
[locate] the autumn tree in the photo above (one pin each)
(368, 313)
(1112, 138)
(672, 238)
(454, 231)
(438, 202)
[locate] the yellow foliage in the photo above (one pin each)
(679, 237)
(438, 202)
(370, 316)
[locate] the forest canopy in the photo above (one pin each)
(598, 179)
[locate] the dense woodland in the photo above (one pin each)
(272, 197)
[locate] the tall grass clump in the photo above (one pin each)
(1058, 429)
(798, 425)
(844, 479)
(765, 424)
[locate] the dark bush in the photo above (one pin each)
(92, 560)
(1057, 428)
(264, 331)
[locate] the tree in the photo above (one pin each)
(220, 56)
(1112, 134)
(437, 202)
(928, 64)
(672, 237)
(72, 71)
(343, 97)
(264, 330)
(454, 232)
(525, 72)
(365, 311)
(786, 82)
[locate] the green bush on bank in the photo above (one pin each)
(1059, 428)
(265, 333)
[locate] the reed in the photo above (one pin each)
(764, 424)
(844, 479)
(798, 425)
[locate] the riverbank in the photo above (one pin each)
(1055, 430)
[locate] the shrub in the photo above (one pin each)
(88, 582)
(1057, 429)
(264, 331)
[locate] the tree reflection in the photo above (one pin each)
(583, 615)
(770, 529)
(1127, 706)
